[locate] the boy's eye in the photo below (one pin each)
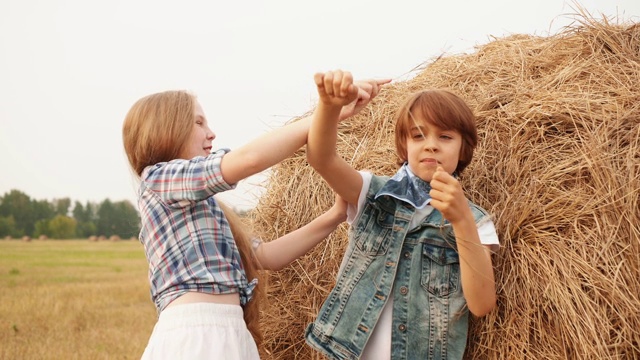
(417, 136)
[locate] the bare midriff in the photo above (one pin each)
(198, 297)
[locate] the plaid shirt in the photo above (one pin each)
(186, 237)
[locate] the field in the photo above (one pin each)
(74, 299)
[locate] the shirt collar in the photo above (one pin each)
(407, 187)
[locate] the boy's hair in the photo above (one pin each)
(444, 110)
(157, 127)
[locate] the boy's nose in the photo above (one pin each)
(430, 144)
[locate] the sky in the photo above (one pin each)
(71, 69)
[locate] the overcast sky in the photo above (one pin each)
(71, 69)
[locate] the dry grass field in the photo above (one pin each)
(74, 299)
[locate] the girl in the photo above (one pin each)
(418, 258)
(198, 278)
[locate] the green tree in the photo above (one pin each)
(79, 212)
(106, 218)
(62, 227)
(85, 218)
(41, 228)
(62, 206)
(42, 210)
(127, 220)
(86, 229)
(8, 226)
(18, 204)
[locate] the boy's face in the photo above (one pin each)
(429, 145)
(199, 143)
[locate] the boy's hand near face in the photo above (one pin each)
(447, 197)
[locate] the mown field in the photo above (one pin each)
(74, 299)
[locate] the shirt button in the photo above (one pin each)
(404, 290)
(407, 255)
(402, 327)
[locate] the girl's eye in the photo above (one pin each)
(417, 136)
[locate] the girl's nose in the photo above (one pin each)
(210, 135)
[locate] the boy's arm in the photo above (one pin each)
(476, 268)
(335, 90)
(277, 254)
(322, 155)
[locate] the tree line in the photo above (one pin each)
(22, 216)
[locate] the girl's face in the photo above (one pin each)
(429, 146)
(199, 143)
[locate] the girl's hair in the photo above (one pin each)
(157, 127)
(155, 130)
(444, 110)
(251, 265)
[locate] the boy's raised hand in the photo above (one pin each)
(448, 197)
(336, 88)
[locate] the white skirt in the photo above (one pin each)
(201, 331)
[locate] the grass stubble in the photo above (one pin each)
(74, 299)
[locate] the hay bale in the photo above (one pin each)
(114, 238)
(93, 238)
(559, 166)
(43, 237)
(26, 238)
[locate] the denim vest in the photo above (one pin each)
(419, 267)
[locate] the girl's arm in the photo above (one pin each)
(476, 268)
(277, 254)
(277, 145)
(265, 151)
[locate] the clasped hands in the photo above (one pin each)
(337, 89)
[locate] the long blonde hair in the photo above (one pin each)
(251, 265)
(157, 127)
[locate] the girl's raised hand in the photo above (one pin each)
(336, 88)
(367, 90)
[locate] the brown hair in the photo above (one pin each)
(251, 265)
(444, 110)
(157, 127)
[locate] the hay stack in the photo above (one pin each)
(559, 167)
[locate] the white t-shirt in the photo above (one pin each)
(379, 345)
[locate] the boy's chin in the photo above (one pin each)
(426, 176)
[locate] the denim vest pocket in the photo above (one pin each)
(440, 270)
(372, 237)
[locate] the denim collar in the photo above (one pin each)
(407, 187)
